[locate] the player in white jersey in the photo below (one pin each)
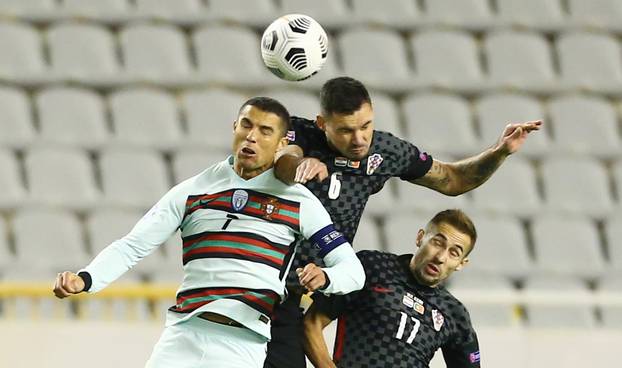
(239, 226)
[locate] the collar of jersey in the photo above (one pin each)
(266, 174)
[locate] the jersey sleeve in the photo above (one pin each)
(407, 161)
(303, 133)
(153, 229)
(344, 270)
(462, 350)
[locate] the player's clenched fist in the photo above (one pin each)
(312, 277)
(68, 283)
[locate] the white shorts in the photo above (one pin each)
(197, 343)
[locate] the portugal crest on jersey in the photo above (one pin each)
(270, 207)
(239, 199)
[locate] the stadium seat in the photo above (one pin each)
(190, 162)
(557, 314)
(107, 225)
(511, 190)
(617, 177)
(589, 193)
(132, 179)
(84, 52)
(6, 257)
(600, 13)
(145, 117)
(391, 13)
(27, 8)
(376, 56)
(567, 246)
(382, 202)
(61, 177)
(613, 238)
(255, 13)
(546, 15)
(21, 59)
(72, 117)
(469, 14)
(499, 235)
(462, 284)
(298, 103)
(15, 117)
(107, 11)
(418, 198)
(47, 242)
(209, 117)
(611, 315)
(440, 123)
(13, 192)
(155, 53)
(590, 61)
(220, 62)
(179, 11)
(386, 114)
(367, 235)
(448, 59)
(329, 13)
(531, 69)
(401, 231)
(585, 125)
(494, 111)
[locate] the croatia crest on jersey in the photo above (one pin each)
(373, 162)
(239, 199)
(437, 319)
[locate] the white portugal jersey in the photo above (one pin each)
(239, 237)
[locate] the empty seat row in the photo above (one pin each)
(72, 179)
(562, 246)
(437, 122)
(162, 53)
(476, 14)
(542, 302)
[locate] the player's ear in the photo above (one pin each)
(462, 264)
(235, 123)
(320, 122)
(419, 238)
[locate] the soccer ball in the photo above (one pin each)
(294, 47)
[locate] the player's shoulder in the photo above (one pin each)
(376, 258)
(453, 305)
(388, 143)
(300, 122)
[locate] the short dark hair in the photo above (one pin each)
(458, 219)
(343, 95)
(268, 104)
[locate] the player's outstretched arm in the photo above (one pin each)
(292, 167)
(314, 343)
(462, 176)
(67, 284)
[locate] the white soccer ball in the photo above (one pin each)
(294, 47)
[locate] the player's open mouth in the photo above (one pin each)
(432, 269)
(245, 151)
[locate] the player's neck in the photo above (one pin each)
(248, 174)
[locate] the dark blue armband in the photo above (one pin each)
(327, 239)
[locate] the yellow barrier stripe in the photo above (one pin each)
(130, 291)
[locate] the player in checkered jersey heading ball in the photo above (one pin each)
(403, 314)
(343, 160)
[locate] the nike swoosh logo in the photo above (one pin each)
(381, 289)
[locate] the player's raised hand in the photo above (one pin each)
(67, 284)
(310, 168)
(312, 277)
(514, 135)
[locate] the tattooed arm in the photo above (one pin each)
(462, 176)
